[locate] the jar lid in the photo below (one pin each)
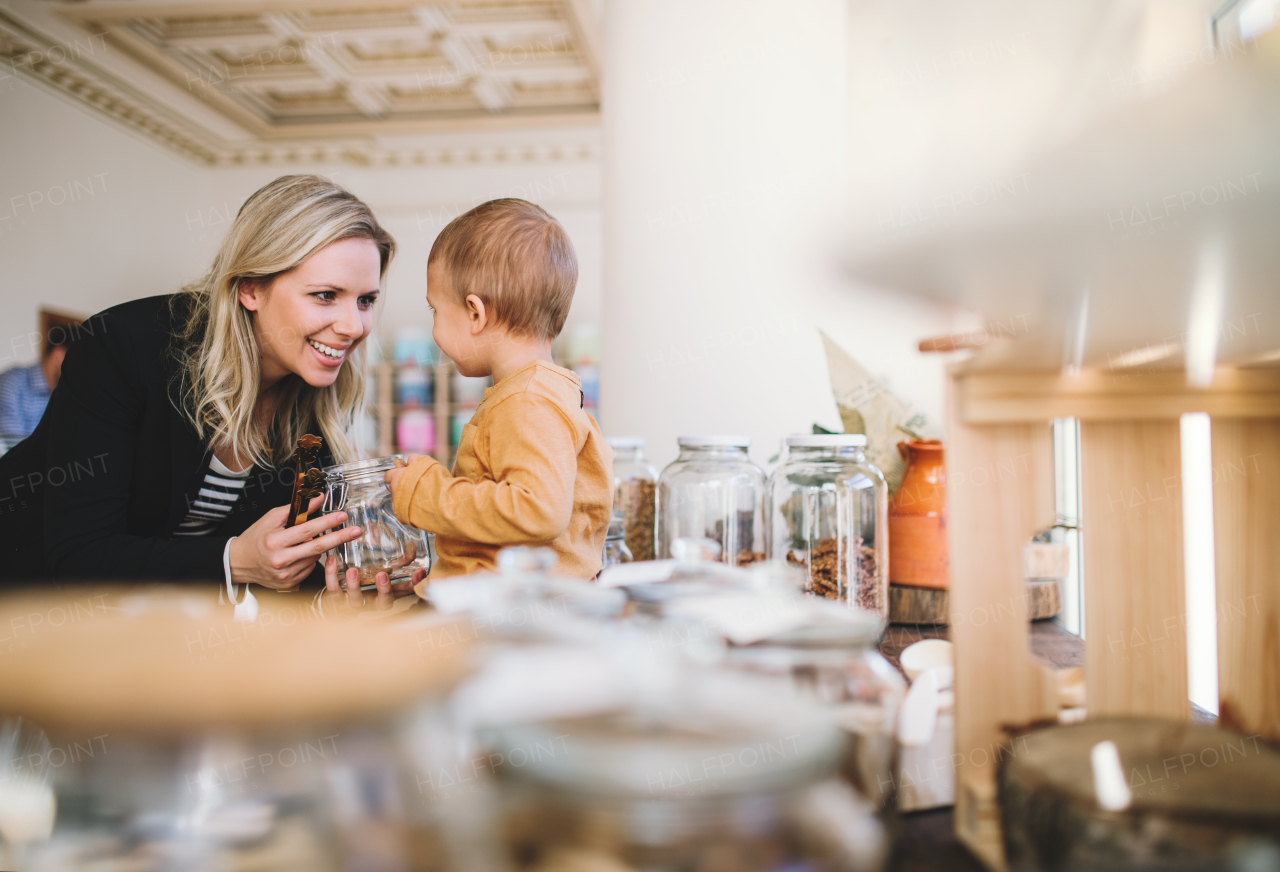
(362, 468)
(164, 660)
(625, 441)
(828, 440)
(714, 441)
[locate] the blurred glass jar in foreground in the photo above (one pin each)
(385, 545)
(696, 769)
(180, 741)
(635, 494)
(830, 653)
(827, 511)
(523, 601)
(712, 490)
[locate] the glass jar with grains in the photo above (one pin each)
(713, 491)
(635, 493)
(827, 511)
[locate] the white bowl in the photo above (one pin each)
(926, 654)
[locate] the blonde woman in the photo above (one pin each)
(164, 449)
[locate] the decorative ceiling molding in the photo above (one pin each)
(320, 81)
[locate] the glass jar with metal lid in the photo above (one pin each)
(712, 490)
(635, 492)
(385, 544)
(827, 510)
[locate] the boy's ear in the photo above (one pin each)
(477, 314)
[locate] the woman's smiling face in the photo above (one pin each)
(311, 318)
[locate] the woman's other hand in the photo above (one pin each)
(353, 598)
(271, 555)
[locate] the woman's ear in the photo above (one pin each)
(251, 292)
(477, 314)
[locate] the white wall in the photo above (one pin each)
(154, 221)
(90, 216)
(725, 168)
(414, 204)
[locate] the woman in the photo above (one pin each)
(164, 452)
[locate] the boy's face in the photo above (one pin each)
(457, 327)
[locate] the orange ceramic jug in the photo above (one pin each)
(918, 518)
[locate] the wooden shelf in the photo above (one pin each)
(388, 410)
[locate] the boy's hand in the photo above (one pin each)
(392, 476)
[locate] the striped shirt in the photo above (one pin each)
(218, 493)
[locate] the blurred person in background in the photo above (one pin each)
(25, 390)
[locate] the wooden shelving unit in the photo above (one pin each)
(1136, 652)
(388, 411)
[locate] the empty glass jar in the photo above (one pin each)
(827, 511)
(615, 542)
(712, 490)
(635, 492)
(385, 545)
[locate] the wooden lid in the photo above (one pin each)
(168, 660)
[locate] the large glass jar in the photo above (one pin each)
(712, 490)
(698, 770)
(385, 545)
(635, 493)
(827, 511)
(833, 657)
(158, 734)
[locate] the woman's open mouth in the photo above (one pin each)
(327, 354)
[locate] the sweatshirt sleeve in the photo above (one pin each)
(532, 454)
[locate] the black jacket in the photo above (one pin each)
(99, 488)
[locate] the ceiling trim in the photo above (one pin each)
(100, 91)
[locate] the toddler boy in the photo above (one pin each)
(532, 467)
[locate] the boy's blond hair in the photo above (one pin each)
(517, 258)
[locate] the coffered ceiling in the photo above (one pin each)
(214, 77)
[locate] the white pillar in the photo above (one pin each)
(723, 171)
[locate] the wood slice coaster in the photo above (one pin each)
(1042, 598)
(918, 605)
(1199, 797)
(927, 605)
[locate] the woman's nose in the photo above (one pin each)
(349, 322)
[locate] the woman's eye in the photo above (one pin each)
(327, 296)
(367, 301)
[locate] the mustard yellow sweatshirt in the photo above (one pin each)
(532, 469)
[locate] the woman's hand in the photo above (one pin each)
(279, 558)
(353, 599)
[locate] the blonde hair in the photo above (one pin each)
(517, 258)
(218, 354)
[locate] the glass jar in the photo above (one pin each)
(157, 740)
(833, 657)
(635, 493)
(697, 769)
(827, 511)
(385, 544)
(712, 490)
(523, 600)
(615, 542)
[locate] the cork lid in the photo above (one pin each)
(169, 660)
